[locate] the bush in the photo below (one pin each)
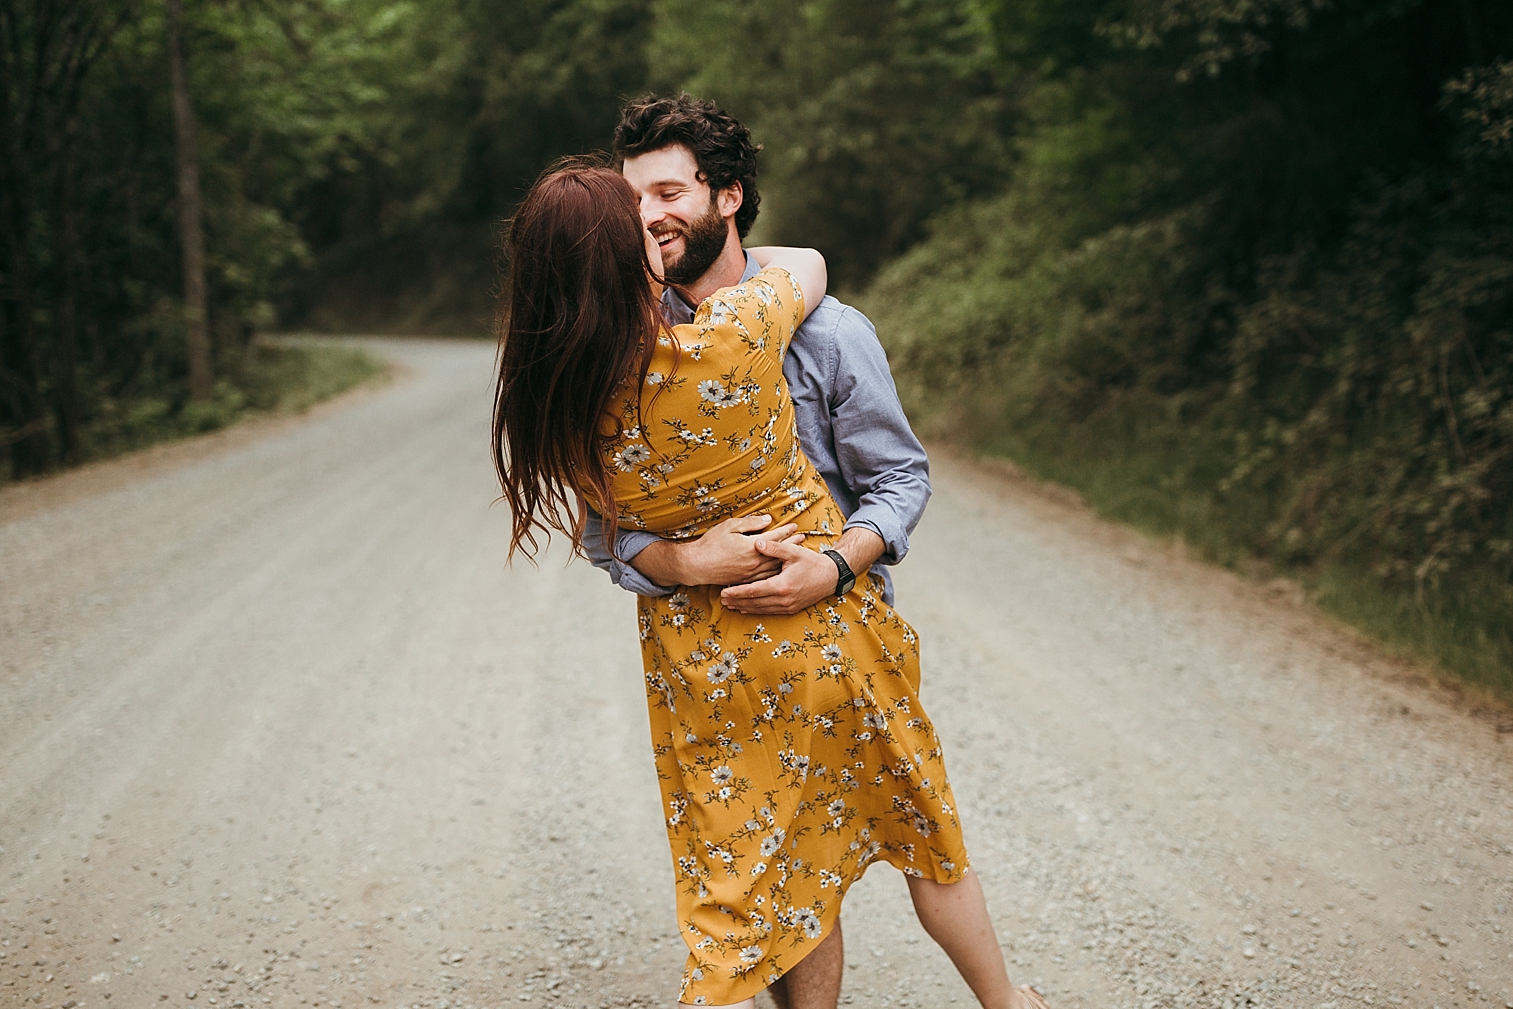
(1338, 405)
(264, 379)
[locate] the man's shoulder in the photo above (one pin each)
(834, 320)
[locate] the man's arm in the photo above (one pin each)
(629, 545)
(649, 566)
(807, 576)
(726, 555)
(880, 458)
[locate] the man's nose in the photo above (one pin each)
(651, 214)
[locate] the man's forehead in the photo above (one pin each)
(673, 163)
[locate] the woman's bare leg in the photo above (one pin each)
(956, 916)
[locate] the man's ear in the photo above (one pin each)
(730, 199)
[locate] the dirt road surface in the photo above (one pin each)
(279, 728)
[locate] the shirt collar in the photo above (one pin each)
(752, 269)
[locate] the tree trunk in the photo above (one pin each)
(191, 218)
(31, 444)
(1473, 32)
(66, 357)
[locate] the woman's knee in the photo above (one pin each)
(920, 886)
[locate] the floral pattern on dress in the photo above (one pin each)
(792, 751)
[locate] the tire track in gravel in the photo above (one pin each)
(279, 727)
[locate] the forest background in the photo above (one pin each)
(1241, 271)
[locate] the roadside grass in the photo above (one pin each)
(268, 378)
(291, 378)
(1152, 480)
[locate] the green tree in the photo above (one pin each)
(50, 48)
(480, 97)
(875, 116)
(191, 212)
(91, 332)
(1250, 277)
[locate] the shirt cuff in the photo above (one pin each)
(885, 523)
(629, 544)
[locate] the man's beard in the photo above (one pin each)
(703, 241)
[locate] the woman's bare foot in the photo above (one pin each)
(1025, 997)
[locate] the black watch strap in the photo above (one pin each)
(847, 578)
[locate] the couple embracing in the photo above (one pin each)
(724, 439)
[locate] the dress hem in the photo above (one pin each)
(827, 925)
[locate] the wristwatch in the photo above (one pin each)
(847, 580)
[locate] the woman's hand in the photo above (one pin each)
(806, 265)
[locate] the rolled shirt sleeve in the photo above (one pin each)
(880, 460)
(628, 543)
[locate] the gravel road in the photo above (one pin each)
(279, 728)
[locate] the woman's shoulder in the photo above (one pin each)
(753, 304)
(760, 289)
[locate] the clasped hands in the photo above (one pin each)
(766, 571)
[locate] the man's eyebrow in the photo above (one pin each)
(660, 183)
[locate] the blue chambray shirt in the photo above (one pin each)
(852, 428)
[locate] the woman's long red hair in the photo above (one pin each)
(577, 319)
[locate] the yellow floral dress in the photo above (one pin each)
(792, 750)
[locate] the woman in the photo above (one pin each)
(793, 751)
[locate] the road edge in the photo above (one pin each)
(55, 490)
(1282, 598)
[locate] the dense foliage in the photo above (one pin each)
(90, 283)
(875, 116)
(355, 156)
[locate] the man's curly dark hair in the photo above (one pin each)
(721, 146)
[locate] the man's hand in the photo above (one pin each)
(808, 576)
(726, 555)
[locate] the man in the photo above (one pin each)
(694, 170)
